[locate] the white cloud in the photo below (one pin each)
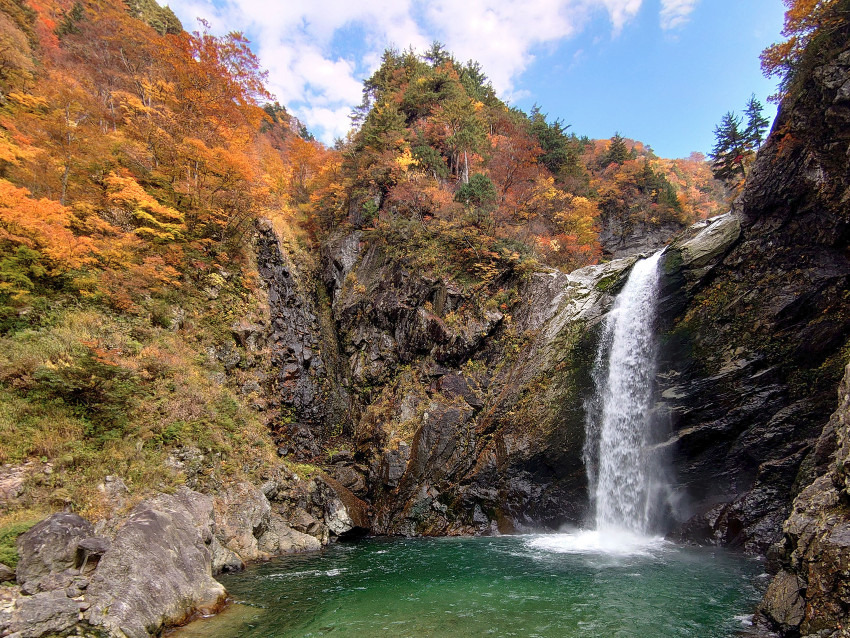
(675, 13)
(295, 40)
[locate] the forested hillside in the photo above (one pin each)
(135, 159)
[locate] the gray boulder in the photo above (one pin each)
(158, 571)
(49, 547)
(280, 538)
(44, 614)
(241, 516)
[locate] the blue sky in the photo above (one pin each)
(661, 71)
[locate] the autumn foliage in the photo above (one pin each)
(805, 20)
(128, 150)
(434, 144)
(140, 149)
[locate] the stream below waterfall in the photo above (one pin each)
(556, 585)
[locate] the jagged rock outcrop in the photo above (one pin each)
(309, 389)
(753, 337)
(626, 237)
(471, 423)
(809, 594)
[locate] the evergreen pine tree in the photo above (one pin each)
(756, 123)
(730, 149)
(618, 151)
(437, 55)
(552, 139)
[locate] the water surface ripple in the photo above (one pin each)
(561, 585)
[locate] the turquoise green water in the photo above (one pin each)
(560, 586)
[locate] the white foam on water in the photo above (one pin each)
(746, 620)
(593, 542)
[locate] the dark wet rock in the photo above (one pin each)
(483, 452)
(350, 477)
(48, 548)
(303, 350)
(753, 324)
(455, 385)
(393, 464)
(298, 440)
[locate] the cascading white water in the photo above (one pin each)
(622, 475)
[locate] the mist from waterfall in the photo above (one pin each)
(625, 475)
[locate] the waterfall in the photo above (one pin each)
(625, 480)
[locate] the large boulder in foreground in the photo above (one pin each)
(48, 613)
(158, 571)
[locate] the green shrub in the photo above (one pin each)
(8, 536)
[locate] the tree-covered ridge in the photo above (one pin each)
(435, 144)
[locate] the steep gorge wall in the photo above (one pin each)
(754, 348)
(808, 595)
(450, 414)
(466, 415)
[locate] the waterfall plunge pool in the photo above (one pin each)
(554, 585)
(615, 581)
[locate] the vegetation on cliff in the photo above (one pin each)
(133, 162)
(436, 146)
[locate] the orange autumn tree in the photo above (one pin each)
(38, 247)
(805, 20)
(153, 139)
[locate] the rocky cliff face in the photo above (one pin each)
(808, 596)
(309, 392)
(469, 415)
(465, 415)
(620, 238)
(755, 343)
